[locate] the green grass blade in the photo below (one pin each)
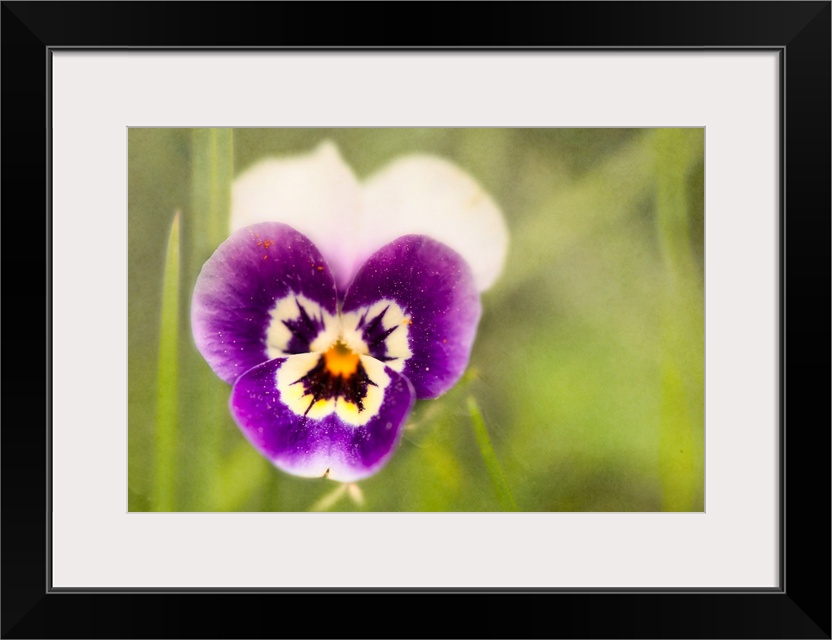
(166, 441)
(676, 152)
(204, 413)
(682, 428)
(487, 452)
(213, 173)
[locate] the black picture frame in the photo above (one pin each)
(799, 608)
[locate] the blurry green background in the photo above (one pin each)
(585, 390)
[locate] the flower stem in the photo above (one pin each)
(487, 452)
(328, 501)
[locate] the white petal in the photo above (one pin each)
(316, 193)
(430, 196)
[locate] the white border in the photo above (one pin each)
(97, 95)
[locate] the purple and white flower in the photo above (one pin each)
(330, 323)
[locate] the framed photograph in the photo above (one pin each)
(606, 217)
(506, 323)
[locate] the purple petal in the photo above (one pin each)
(271, 405)
(416, 307)
(265, 292)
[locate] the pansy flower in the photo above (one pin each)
(334, 305)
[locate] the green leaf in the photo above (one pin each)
(487, 452)
(166, 441)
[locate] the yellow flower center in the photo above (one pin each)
(340, 360)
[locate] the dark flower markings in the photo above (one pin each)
(375, 335)
(322, 384)
(304, 329)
